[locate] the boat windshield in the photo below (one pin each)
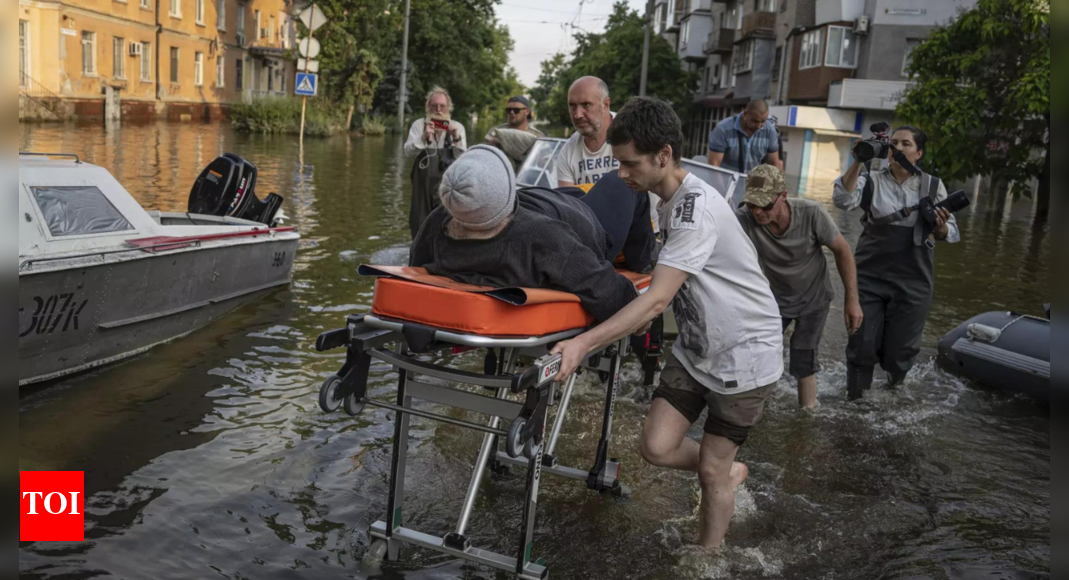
(539, 168)
(78, 210)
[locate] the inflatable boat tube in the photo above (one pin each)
(1004, 350)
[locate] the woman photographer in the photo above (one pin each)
(895, 254)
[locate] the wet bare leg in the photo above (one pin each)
(719, 475)
(807, 392)
(664, 438)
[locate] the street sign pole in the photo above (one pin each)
(304, 99)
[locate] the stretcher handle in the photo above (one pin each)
(539, 373)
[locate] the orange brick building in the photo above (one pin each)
(179, 59)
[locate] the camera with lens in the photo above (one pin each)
(874, 147)
(953, 202)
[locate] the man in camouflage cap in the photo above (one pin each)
(789, 235)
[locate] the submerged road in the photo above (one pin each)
(209, 457)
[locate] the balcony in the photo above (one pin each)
(759, 24)
(720, 41)
(866, 94)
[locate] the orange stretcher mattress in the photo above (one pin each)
(411, 294)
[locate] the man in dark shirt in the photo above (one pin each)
(487, 234)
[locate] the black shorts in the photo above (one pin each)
(805, 340)
(730, 416)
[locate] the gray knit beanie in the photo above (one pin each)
(479, 188)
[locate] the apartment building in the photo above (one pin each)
(829, 68)
(144, 59)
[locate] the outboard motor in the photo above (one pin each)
(227, 187)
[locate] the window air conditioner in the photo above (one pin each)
(861, 25)
(136, 48)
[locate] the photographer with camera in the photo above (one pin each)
(905, 212)
(435, 141)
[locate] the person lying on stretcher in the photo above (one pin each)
(486, 233)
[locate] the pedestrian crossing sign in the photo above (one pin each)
(306, 84)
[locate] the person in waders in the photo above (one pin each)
(895, 256)
(435, 142)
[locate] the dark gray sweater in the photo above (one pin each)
(533, 251)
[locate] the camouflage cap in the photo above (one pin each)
(763, 185)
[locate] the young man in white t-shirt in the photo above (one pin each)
(728, 356)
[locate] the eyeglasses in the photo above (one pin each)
(515, 110)
(438, 106)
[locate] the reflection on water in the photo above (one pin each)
(209, 457)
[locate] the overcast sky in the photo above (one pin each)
(541, 29)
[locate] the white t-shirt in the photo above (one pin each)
(577, 164)
(730, 332)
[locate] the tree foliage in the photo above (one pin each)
(615, 56)
(982, 91)
(457, 44)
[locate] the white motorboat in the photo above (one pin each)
(102, 279)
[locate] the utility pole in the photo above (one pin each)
(646, 49)
(404, 75)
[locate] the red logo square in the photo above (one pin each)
(52, 506)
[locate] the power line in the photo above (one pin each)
(549, 9)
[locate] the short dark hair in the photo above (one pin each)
(920, 138)
(648, 123)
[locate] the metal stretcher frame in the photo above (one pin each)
(365, 338)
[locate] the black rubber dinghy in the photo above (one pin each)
(1004, 350)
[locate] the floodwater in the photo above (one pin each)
(209, 457)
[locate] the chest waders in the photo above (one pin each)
(895, 280)
(426, 176)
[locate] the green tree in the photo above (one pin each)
(615, 56)
(981, 88)
(456, 44)
(358, 36)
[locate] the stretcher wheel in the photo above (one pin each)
(327, 400)
(352, 405)
(530, 448)
(513, 444)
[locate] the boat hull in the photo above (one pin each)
(1018, 360)
(74, 319)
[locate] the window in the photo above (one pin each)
(812, 43)
(146, 62)
(220, 72)
(176, 8)
(742, 60)
(78, 210)
(198, 68)
(270, 78)
(256, 34)
(24, 52)
(911, 43)
(777, 62)
(198, 11)
(782, 6)
(241, 24)
(146, 4)
(220, 14)
(118, 59)
(174, 64)
(764, 5)
(271, 29)
(89, 53)
(842, 48)
(239, 75)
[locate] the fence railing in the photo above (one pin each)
(38, 93)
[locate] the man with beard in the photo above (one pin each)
(587, 156)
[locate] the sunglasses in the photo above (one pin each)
(765, 208)
(515, 110)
